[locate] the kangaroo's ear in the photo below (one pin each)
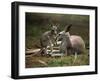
(67, 29)
(57, 25)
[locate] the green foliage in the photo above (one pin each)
(38, 23)
(46, 18)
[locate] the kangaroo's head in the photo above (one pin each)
(65, 33)
(54, 29)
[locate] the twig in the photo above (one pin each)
(42, 62)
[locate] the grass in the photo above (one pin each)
(33, 61)
(60, 62)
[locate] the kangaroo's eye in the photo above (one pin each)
(59, 34)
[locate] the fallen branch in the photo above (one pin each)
(42, 62)
(32, 51)
(56, 55)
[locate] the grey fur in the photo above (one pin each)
(70, 44)
(49, 38)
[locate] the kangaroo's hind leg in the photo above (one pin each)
(75, 57)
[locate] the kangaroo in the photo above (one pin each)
(49, 39)
(70, 44)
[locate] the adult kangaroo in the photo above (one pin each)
(70, 44)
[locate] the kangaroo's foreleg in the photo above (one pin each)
(46, 50)
(51, 47)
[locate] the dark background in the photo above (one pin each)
(38, 23)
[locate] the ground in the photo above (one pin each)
(48, 61)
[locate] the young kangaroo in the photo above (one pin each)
(49, 39)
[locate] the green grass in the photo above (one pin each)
(69, 61)
(82, 59)
(60, 61)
